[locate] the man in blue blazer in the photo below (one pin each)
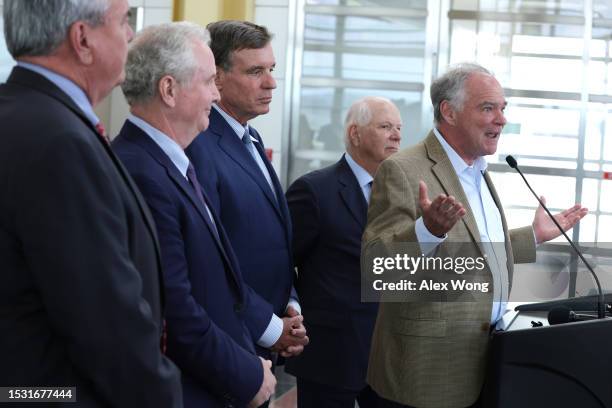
(240, 181)
(329, 209)
(170, 87)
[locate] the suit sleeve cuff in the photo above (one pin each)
(293, 302)
(272, 333)
(427, 241)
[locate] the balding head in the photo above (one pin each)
(372, 131)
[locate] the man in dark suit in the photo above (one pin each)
(240, 181)
(170, 87)
(80, 300)
(328, 209)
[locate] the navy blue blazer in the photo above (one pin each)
(207, 301)
(329, 215)
(257, 223)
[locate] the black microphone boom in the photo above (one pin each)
(601, 313)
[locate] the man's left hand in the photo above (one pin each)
(545, 230)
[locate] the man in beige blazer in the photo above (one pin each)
(430, 354)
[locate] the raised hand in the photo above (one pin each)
(545, 230)
(441, 214)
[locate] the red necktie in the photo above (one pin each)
(102, 133)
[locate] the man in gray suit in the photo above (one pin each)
(431, 354)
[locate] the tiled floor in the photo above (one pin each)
(286, 395)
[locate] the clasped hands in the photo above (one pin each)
(294, 338)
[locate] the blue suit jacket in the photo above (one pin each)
(258, 224)
(329, 215)
(207, 301)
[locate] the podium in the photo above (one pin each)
(561, 366)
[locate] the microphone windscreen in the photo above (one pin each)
(511, 161)
(558, 315)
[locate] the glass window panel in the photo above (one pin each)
(547, 45)
(604, 232)
(546, 74)
(606, 130)
(368, 67)
(559, 7)
(559, 191)
(318, 64)
(606, 198)
(588, 227)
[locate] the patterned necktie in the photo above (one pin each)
(102, 133)
(248, 143)
(191, 176)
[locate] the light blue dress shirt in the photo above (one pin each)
(275, 328)
(71, 89)
(363, 177)
(488, 220)
(240, 131)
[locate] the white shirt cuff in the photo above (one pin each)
(427, 241)
(294, 304)
(272, 333)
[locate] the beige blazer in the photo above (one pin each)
(430, 354)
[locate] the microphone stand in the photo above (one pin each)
(601, 313)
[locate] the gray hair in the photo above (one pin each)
(360, 114)
(38, 27)
(451, 87)
(159, 50)
(227, 36)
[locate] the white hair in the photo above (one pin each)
(159, 50)
(360, 114)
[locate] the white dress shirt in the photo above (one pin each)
(488, 220)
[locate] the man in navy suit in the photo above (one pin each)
(81, 299)
(240, 181)
(211, 311)
(329, 209)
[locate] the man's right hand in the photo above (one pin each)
(441, 214)
(267, 386)
(293, 338)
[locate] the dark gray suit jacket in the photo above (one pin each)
(81, 294)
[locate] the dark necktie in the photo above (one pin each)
(193, 179)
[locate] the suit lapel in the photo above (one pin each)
(236, 150)
(351, 192)
(444, 171)
(36, 81)
(137, 136)
(507, 243)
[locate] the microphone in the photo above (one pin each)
(601, 313)
(560, 315)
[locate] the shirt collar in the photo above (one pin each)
(480, 164)
(234, 124)
(169, 146)
(67, 86)
(363, 177)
